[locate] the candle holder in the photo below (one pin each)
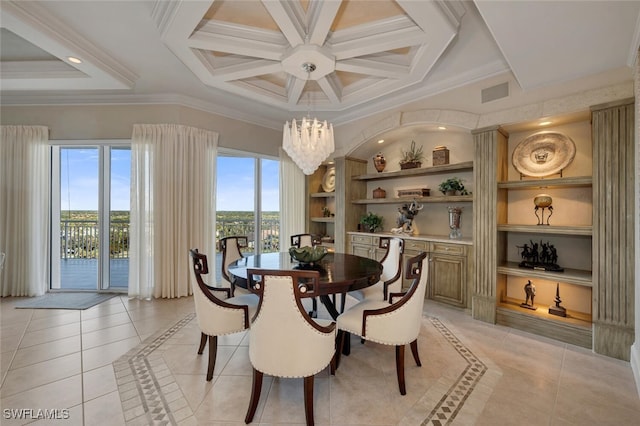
(454, 222)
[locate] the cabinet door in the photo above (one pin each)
(447, 276)
(361, 250)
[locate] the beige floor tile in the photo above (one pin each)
(98, 382)
(106, 321)
(61, 394)
(54, 319)
(25, 378)
(194, 387)
(108, 335)
(228, 400)
(100, 356)
(50, 334)
(45, 351)
(104, 410)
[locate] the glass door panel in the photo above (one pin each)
(119, 209)
(270, 205)
(79, 186)
(90, 207)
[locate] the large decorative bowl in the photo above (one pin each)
(308, 255)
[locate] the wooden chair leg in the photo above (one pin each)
(255, 396)
(213, 350)
(308, 400)
(314, 309)
(340, 345)
(342, 303)
(414, 351)
(203, 343)
(400, 368)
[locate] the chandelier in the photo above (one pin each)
(308, 142)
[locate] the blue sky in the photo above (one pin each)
(235, 181)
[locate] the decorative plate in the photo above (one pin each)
(329, 180)
(543, 154)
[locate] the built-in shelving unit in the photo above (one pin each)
(436, 199)
(447, 168)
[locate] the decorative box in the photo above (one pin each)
(440, 156)
(419, 192)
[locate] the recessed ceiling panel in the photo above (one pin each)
(347, 45)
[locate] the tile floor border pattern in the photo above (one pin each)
(451, 403)
(150, 395)
(147, 389)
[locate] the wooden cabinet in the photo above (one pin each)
(449, 264)
(448, 274)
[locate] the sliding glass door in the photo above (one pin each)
(90, 217)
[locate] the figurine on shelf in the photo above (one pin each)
(406, 213)
(541, 257)
(558, 310)
(530, 292)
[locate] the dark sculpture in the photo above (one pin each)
(558, 310)
(530, 292)
(543, 257)
(406, 214)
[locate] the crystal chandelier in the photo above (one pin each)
(308, 142)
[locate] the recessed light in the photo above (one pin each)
(381, 141)
(442, 128)
(74, 59)
(544, 123)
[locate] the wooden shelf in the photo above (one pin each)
(323, 219)
(569, 276)
(575, 329)
(567, 182)
(322, 194)
(548, 229)
(423, 171)
(437, 199)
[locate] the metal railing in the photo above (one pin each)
(80, 239)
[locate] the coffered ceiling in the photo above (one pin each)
(244, 58)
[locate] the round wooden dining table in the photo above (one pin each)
(339, 272)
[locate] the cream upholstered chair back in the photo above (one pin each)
(231, 251)
(284, 341)
(392, 264)
(216, 312)
(391, 272)
(215, 316)
(401, 324)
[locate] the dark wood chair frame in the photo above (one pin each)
(201, 267)
(241, 242)
(307, 287)
(295, 239)
(385, 242)
(413, 271)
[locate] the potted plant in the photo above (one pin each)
(412, 158)
(371, 222)
(453, 186)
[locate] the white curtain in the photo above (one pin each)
(24, 209)
(292, 200)
(172, 206)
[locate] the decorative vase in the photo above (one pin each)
(454, 222)
(379, 193)
(543, 202)
(379, 162)
(451, 192)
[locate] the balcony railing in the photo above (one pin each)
(79, 239)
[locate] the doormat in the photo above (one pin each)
(64, 301)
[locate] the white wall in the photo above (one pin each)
(635, 348)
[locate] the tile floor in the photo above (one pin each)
(71, 364)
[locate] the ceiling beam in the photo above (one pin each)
(289, 19)
(321, 15)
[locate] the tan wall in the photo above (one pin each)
(116, 122)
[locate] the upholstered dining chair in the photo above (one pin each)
(304, 240)
(390, 280)
(308, 240)
(231, 251)
(284, 341)
(221, 315)
(390, 323)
